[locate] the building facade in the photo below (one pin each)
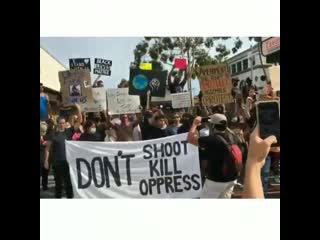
(271, 49)
(252, 66)
(49, 69)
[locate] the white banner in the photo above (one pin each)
(98, 102)
(120, 102)
(181, 100)
(161, 168)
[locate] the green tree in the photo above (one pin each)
(196, 49)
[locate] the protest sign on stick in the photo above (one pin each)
(80, 63)
(98, 102)
(75, 86)
(145, 66)
(120, 102)
(161, 168)
(143, 80)
(215, 84)
(102, 66)
(181, 100)
(180, 63)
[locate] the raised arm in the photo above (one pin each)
(193, 133)
(257, 153)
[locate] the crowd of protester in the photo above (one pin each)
(209, 128)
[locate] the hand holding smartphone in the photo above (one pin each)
(268, 118)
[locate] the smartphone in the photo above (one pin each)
(268, 117)
(205, 119)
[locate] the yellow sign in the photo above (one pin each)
(146, 66)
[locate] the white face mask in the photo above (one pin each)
(93, 130)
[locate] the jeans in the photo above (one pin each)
(62, 177)
(265, 171)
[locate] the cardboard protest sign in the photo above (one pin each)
(80, 63)
(145, 66)
(181, 100)
(102, 66)
(98, 102)
(161, 168)
(142, 80)
(215, 84)
(120, 102)
(75, 86)
(180, 63)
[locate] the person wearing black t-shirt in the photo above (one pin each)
(56, 147)
(186, 121)
(159, 128)
(217, 184)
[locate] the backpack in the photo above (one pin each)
(233, 161)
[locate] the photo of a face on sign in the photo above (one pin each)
(75, 90)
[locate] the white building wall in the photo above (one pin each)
(49, 68)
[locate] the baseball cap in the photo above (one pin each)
(218, 119)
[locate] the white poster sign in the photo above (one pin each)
(98, 102)
(181, 100)
(120, 102)
(161, 168)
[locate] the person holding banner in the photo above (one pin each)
(56, 147)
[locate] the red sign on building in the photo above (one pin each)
(270, 45)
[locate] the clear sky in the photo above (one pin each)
(117, 49)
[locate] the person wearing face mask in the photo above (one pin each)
(89, 132)
(56, 147)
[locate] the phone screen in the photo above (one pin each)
(269, 120)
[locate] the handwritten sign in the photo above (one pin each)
(75, 86)
(181, 100)
(120, 102)
(102, 66)
(98, 102)
(215, 84)
(80, 63)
